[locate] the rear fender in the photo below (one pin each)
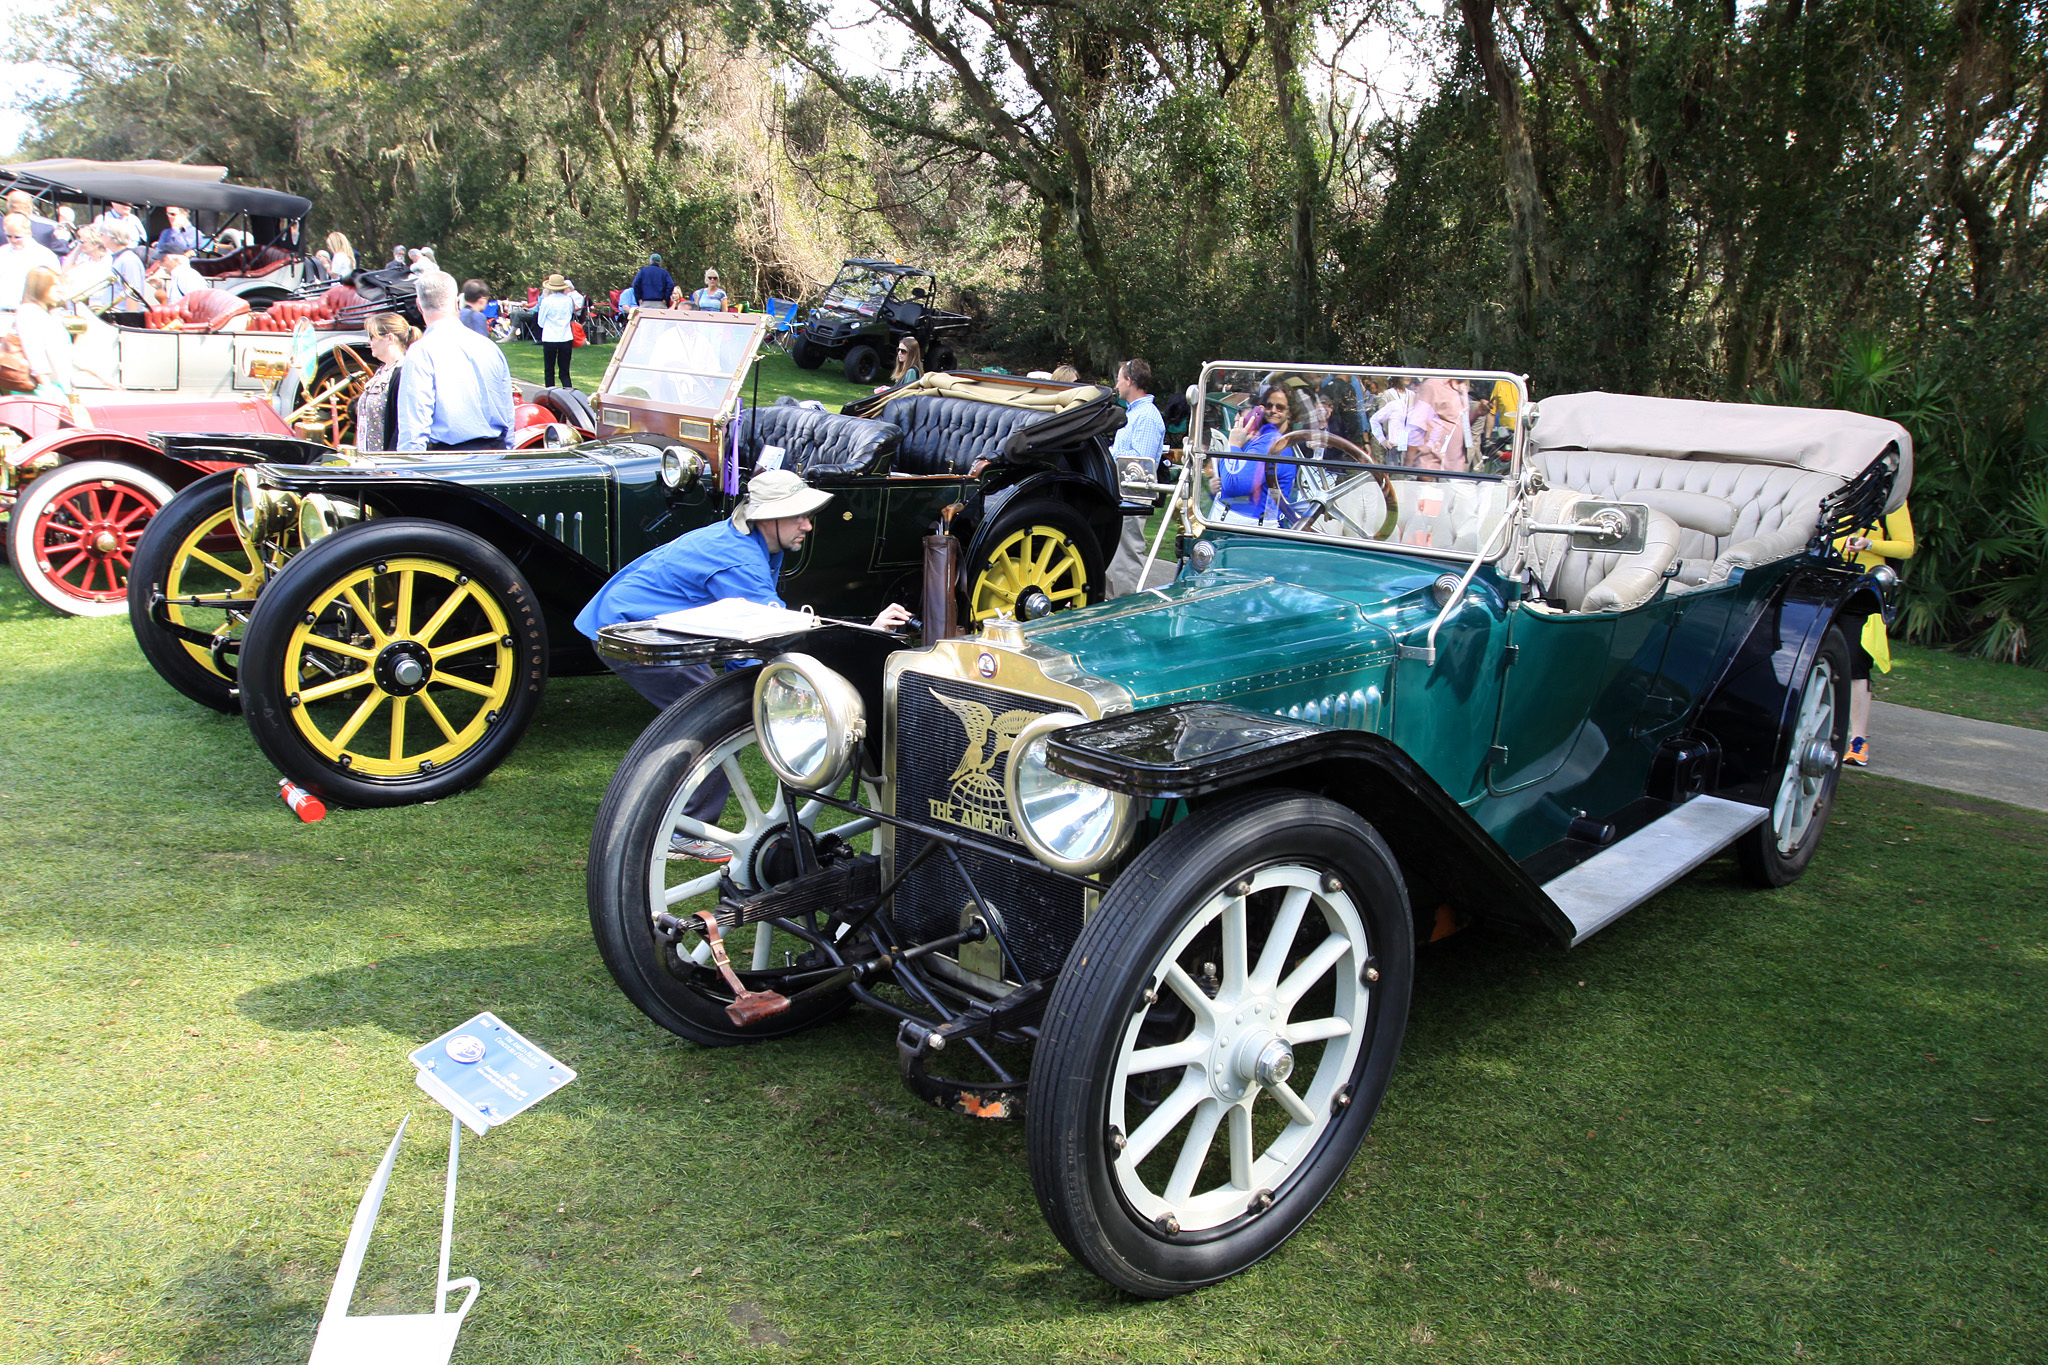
(1087, 496)
(1750, 704)
(1196, 751)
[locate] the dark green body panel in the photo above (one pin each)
(1566, 723)
(867, 545)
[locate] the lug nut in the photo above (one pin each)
(1243, 888)
(1333, 883)
(1116, 1139)
(1168, 1224)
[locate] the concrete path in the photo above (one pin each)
(2004, 762)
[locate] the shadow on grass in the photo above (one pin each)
(232, 1307)
(414, 995)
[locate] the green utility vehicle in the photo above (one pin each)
(870, 307)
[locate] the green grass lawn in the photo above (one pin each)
(1739, 1126)
(1937, 680)
(778, 374)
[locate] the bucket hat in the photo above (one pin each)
(776, 493)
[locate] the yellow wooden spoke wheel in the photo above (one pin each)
(189, 590)
(1042, 558)
(392, 662)
(401, 668)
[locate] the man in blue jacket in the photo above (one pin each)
(738, 557)
(653, 285)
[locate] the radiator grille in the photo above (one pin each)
(1041, 913)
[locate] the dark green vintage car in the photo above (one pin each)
(387, 622)
(1152, 874)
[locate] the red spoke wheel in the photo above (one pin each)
(74, 532)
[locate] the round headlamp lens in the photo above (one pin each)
(1069, 824)
(314, 519)
(810, 722)
(248, 497)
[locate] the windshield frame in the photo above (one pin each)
(1199, 454)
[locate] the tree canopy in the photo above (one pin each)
(1714, 199)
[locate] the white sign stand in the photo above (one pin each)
(482, 1056)
(394, 1338)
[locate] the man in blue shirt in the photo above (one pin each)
(653, 285)
(476, 295)
(1134, 454)
(180, 237)
(738, 557)
(454, 390)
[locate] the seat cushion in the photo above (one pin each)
(943, 435)
(813, 440)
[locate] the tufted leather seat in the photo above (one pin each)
(202, 310)
(944, 435)
(1776, 508)
(816, 442)
(1596, 580)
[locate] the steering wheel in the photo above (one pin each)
(1322, 506)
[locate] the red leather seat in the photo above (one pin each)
(209, 310)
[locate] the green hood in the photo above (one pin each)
(1225, 634)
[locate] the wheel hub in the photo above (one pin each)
(105, 542)
(403, 667)
(773, 858)
(1247, 1053)
(1033, 605)
(1818, 759)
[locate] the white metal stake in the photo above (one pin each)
(448, 1212)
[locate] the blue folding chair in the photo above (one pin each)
(781, 321)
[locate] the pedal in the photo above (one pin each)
(747, 1007)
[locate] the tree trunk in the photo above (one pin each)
(1529, 265)
(1283, 24)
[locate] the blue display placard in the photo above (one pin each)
(485, 1072)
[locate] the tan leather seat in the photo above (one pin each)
(1596, 580)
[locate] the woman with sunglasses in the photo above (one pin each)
(909, 365)
(1247, 486)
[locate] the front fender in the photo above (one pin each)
(561, 578)
(1196, 750)
(1749, 706)
(74, 444)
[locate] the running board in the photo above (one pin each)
(1608, 885)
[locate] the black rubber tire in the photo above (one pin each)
(862, 364)
(631, 826)
(270, 694)
(944, 359)
(1757, 853)
(982, 598)
(156, 563)
(806, 355)
(132, 496)
(1113, 965)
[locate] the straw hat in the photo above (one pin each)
(776, 493)
(555, 284)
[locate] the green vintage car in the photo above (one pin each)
(1152, 874)
(387, 622)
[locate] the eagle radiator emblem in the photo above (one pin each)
(986, 664)
(974, 800)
